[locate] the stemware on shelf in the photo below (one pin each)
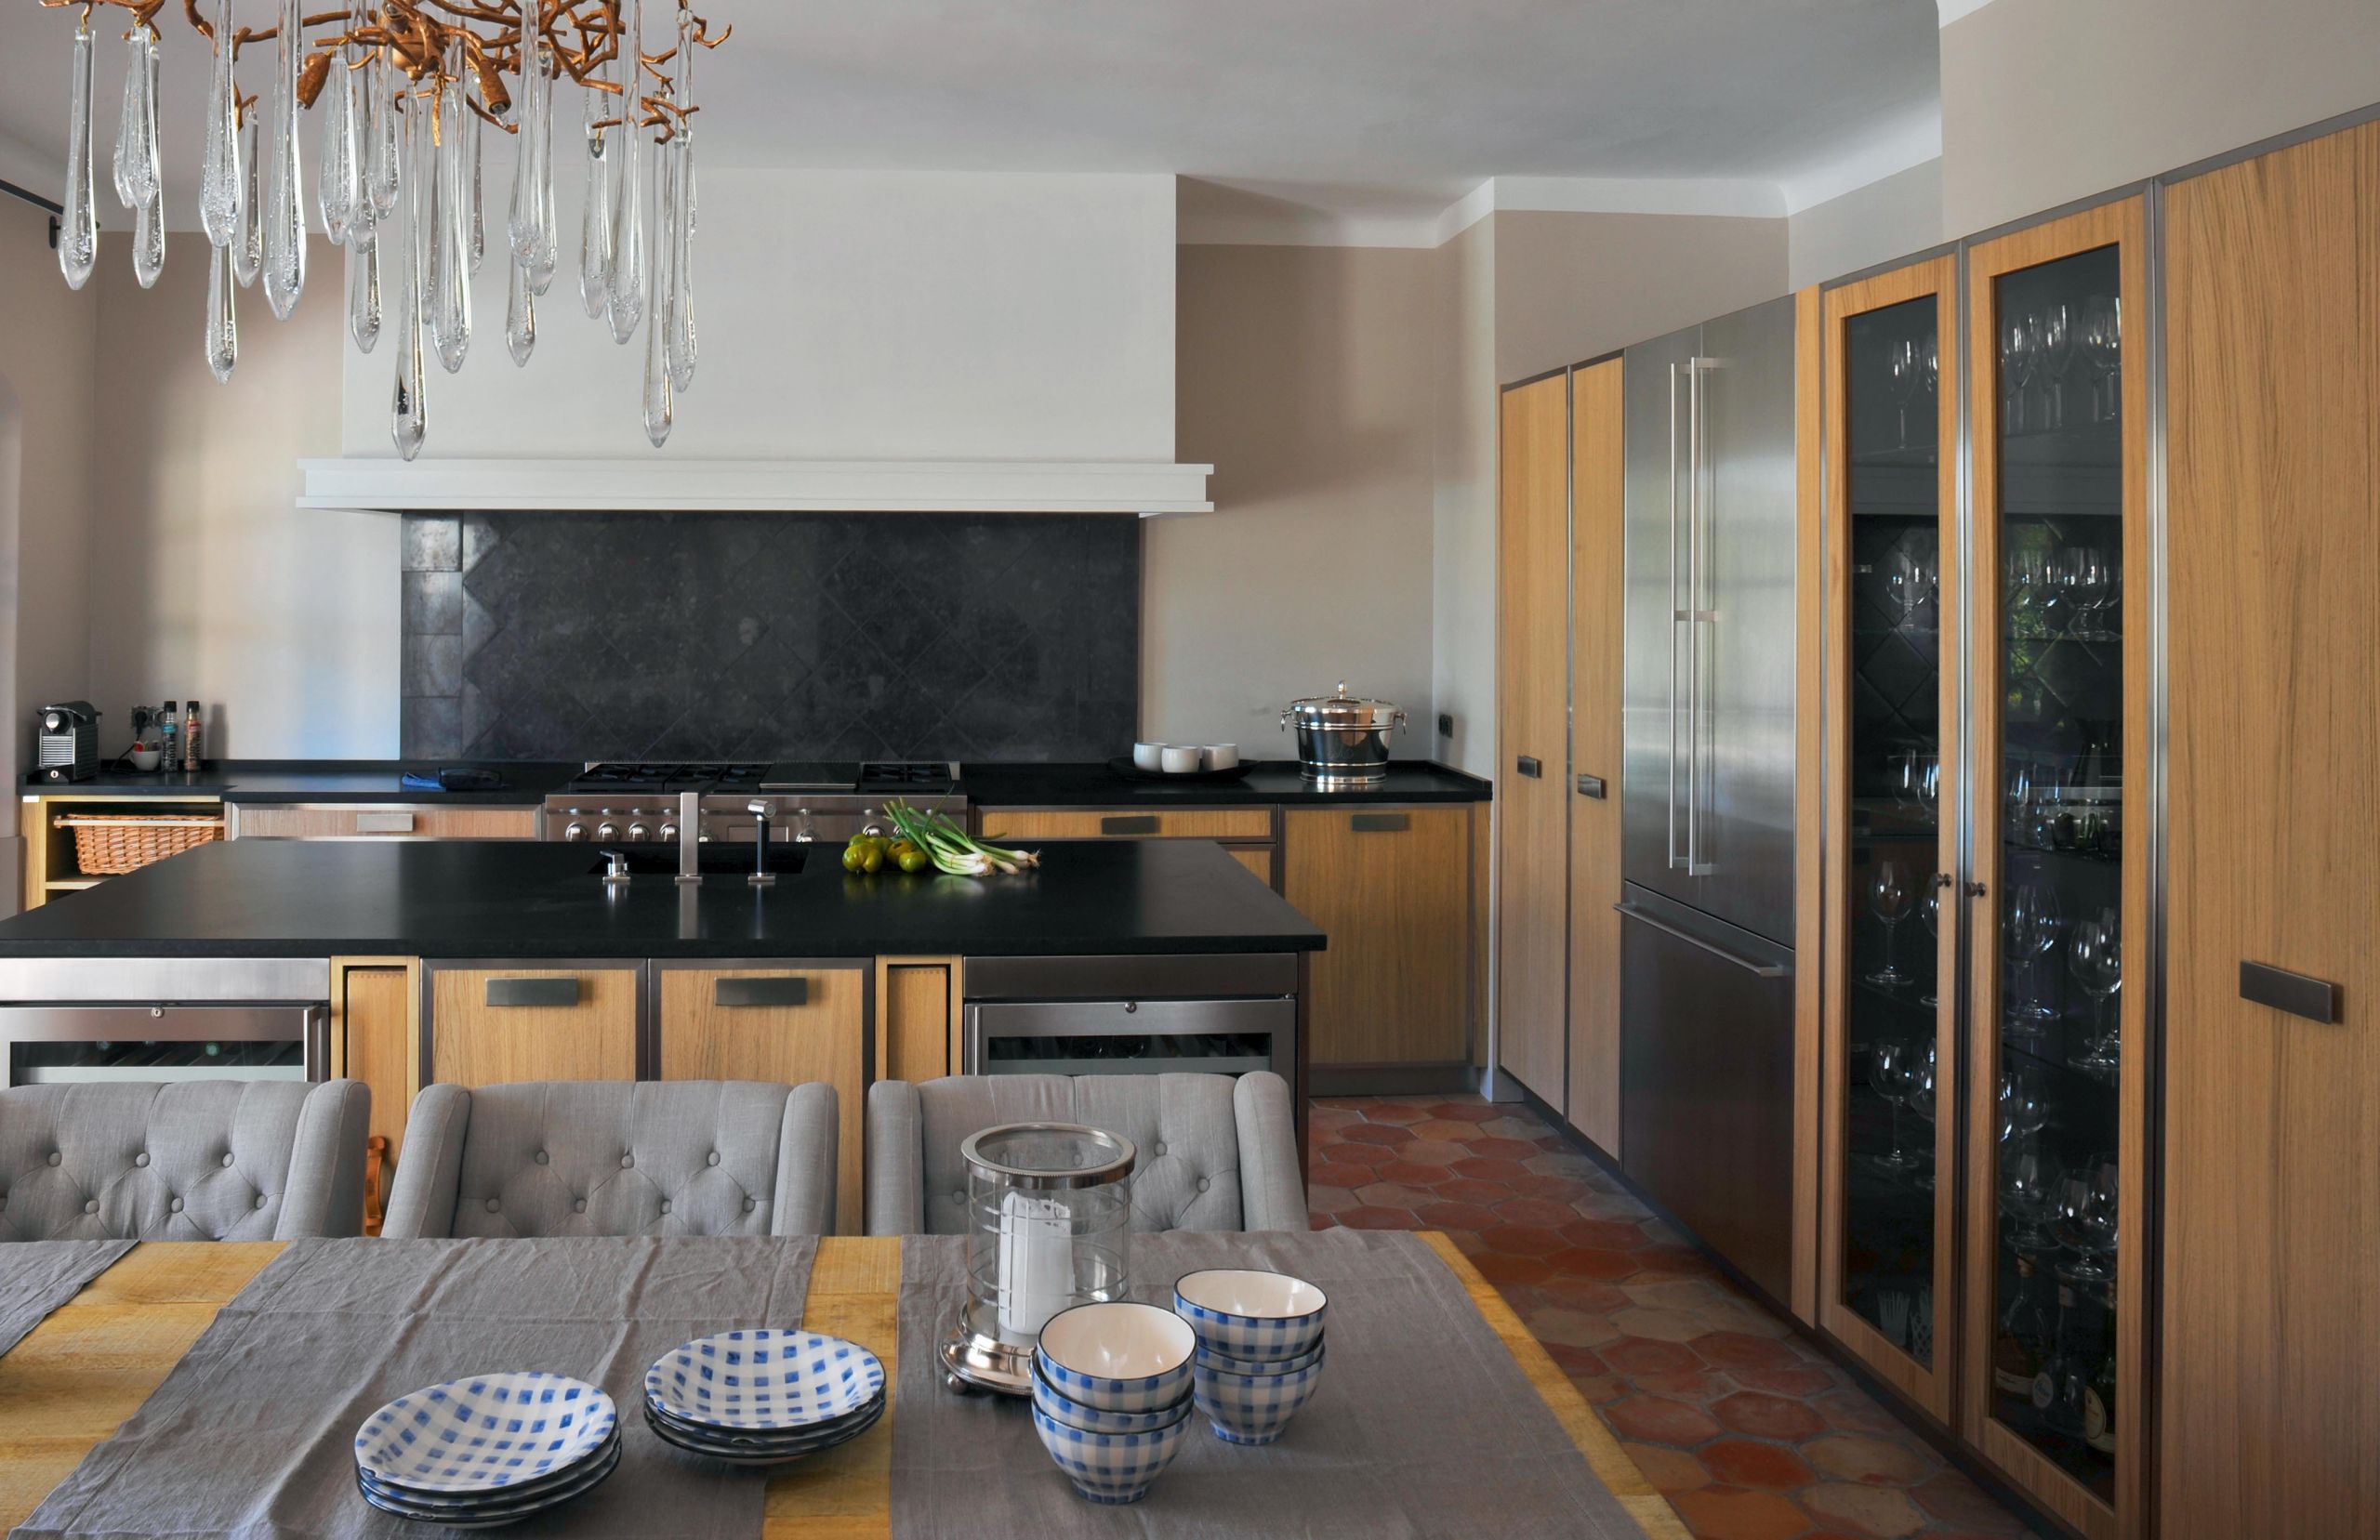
(2030, 1183)
(1892, 1074)
(1929, 909)
(1921, 1076)
(2058, 357)
(2094, 956)
(1904, 369)
(2102, 343)
(2087, 1218)
(2023, 1110)
(2034, 923)
(2020, 357)
(1890, 897)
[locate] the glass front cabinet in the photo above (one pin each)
(1985, 851)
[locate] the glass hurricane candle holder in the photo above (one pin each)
(1049, 1226)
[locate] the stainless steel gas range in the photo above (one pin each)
(619, 803)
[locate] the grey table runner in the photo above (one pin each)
(250, 1435)
(1424, 1425)
(38, 1276)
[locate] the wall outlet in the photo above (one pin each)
(1446, 724)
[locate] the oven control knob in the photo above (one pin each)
(576, 831)
(608, 831)
(669, 831)
(638, 831)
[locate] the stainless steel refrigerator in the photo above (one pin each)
(1707, 950)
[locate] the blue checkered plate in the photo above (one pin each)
(763, 1380)
(520, 1492)
(494, 1510)
(483, 1433)
(760, 1450)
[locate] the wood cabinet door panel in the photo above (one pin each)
(474, 1042)
(1598, 522)
(1396, 903)
(1000, 823)
(328, 821)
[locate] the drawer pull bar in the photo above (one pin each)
(1757, 968)
(548, 994)
(754, 993)
(384, 824)
(1379, 824)
(1129, 824)
(1527, 765)
(2314, 999)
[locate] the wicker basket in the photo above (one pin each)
(107, 845)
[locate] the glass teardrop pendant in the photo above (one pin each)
(284, 209)
(78, 225)
(628, 296)
(680, 233)
(450, 259)
(149, 241)
(247, 242)
(221, 185)
(364, 280)
(410, 421)
(148, 169)
(520, 316)
(529, 228)
(660, 403)
(379, 137)
(127, 125)
(475, 230)
(595, 230)
(335, 193)
(548, 240)
(222, 317)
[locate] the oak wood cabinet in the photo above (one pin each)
(1250, 835)
(788, 1025)
(1598, 527)
(51, 868)
(375, 1005)
(380, 821)
(1391, 886)
(1532, 736)
(489, 1024)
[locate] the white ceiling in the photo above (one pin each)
(1355, 111)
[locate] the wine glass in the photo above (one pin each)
(1890, 897)
(2020, 357)
(1929, 788)
(1930, 911)
(1920, 1102)
(1905, 366)
(2033, 924)
(2087, 1215)
(1891, 1073)
(2103, 348)
(2028, 1195)
(2092, 583)
(2094, 956)
(2023, 1112)
(2058, 357)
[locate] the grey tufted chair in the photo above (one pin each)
(206, 1160)
(596, 1157)
(1215, 1153)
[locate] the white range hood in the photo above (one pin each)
(682, 485)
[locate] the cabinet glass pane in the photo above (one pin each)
(2061, 615)
(1893, 488)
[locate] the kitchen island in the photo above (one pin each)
(478, 961)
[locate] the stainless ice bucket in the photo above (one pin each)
(1343, 740)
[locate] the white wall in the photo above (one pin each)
(1877, 223)
(1306, 378)
(209, 581)
(2048, 100)
(847, 315)
(1462, 519)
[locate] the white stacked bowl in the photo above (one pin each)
(1112, 1397)
(1260, 1348)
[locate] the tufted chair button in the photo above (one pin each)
(750, 1205)
(1158, 1147)
(664, 1205)
(173, 1205)
(141, 1159)
(626, 1161)
(1202, 1184)
(959, 1196)
(539, 1157)
(495, 1205)
(579, 1206)
(713, 1159)
(227, 1157)
(55, 1157)
(91, 1206)
(260, 1200)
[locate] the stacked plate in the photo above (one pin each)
(486, 1451)
(764, 1396)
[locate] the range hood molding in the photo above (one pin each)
(1143, 487)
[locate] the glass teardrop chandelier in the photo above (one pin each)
(403, 92)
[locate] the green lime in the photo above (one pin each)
(914, 860)
(854, 856)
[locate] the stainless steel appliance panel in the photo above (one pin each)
(72, 1043)
(1706, 1111)
(1654, 706)
(1132, 1037)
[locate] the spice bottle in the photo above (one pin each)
(169, 742)
(193, 728)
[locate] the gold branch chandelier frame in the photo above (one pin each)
(402, 90)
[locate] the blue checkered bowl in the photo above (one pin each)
(1255, 1408)
(483, 1433)
(1117, 1357)
(1247, 1313)
(1113, 1468)
(763, 1380)
(1091, 1419)
(1209, 1359)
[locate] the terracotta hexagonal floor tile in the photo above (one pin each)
(1881, 1511)
(1656, 1419)
(1396, 1195)
(1660, 1324)
(1593, 1204)
(1369, 1218)
(1604, 1234)
(1801, 1383)
(1361, 1154)
(1436, 1153)
(1450, 1130)
(1505, 1149)
(1561, 1190)
(1669, 1470)
(1507, 1125)
(1466, 1242)
(1675, 1261)
(1869, 1460)
(1681, 1294)
(1696, 1385)
(1560, 1162)
(1542, 1212)
(1954, 1499)
(1744, 1317)
(1377, 1133)
(1488, 1170)
(1439, 1214)
(1645, 1355)
(1500, 1267)
(1731, 1513)
(1387, 1110)
(1742, 1462)
(1329, 1199)
(1745, 1350)
(1584, 1262)
(1466, 1111)
(1854, 1412)
(1577, 1328)
(1766, 1416)
(1471, 1189)
(1522, 1240)
(1408, 1173)
(1582, 1293)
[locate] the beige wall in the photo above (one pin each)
(1305, 374)
(1895, 217)
(1569, 286)
(208, 580)
(2046, 101)
(1462, 594)
(48, 333)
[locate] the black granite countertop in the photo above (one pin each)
(1076, 785)
(275, 897)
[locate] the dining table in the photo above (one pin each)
(78, 1375)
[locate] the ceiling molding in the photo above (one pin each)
(680, 484)
(1896, 148)
(1952, 10)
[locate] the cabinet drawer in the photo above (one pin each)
(378, 821)
(488, 1025)
(784, 1026)
(1392, 887)
(1129, 824)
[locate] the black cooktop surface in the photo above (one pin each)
(668, 776)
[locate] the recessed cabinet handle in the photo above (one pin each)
(1527, 765)
(513, 993)
(747, 993)
(2314, 999)
(1379, 823)
(1592, 785)
(384, 824)
(1129, 824)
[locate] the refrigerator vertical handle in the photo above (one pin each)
(1677, 617)
(1694, 865)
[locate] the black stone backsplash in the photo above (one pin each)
(717, 636)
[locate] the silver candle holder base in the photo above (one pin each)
(973, 1362)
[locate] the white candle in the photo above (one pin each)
(1036, 1263)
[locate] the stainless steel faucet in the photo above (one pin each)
(690, 823)
(762, 875)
